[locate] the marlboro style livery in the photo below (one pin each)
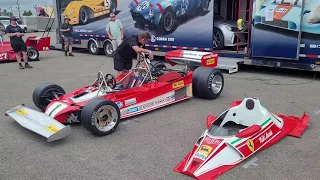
(100, 106)
(238, 133)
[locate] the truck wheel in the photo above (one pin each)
(83, 15)
(207, 82)
(218, 39)
(43, 94)
(33, 54)
(108, 49)
(167, 21)
(100, 116)
(93, 48)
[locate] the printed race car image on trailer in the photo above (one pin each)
(238, 133)
(162, 15)
(100, 106)
(286, 14)
(81, 12)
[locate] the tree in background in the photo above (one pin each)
(27, 13)
(4, 12)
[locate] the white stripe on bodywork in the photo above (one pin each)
(55, 108)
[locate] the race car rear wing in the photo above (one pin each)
(192, 58)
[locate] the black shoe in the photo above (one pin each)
(70, 54)
(20, 66)
(27, 66)
(66, 53)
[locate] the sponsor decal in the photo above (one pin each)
(119, 104)
(203, 152)
(209, 140)
(52, 128)
(265, 136)
(281, 10)
(3, 56)
(210, 61)
(250, 145)
(134, 109)
(131, 101)
(22, 112)
(178, 84)
(146, 106)
(155, 38)
(142, 6)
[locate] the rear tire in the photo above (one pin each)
(96, 107)
(207, 83)
(33, 54)
(44, 92)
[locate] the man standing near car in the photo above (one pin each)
(115, 31)
(66, 29)
(15, 34)
(130, 47)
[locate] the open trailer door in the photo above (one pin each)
(276, 31)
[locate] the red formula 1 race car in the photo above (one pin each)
(100, 106)
(34, 45)
(238, 133)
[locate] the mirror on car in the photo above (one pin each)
(210, 120)
(249, 131)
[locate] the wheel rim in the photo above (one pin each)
(108, 49)
(216, 84)
(168, 21)
(83, 15)
(93, 47)
(32, 54)
(48, 95)
(106, 118)
(217, 40)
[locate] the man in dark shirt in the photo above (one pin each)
(131, 46)
(15, 33)
(66, 29)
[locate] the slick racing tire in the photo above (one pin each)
(84, 15)
(100, 116)
(207, 82)
(44, 93)
(33, 54)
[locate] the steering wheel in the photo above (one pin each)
(111, 81)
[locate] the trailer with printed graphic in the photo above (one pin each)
(280, 33)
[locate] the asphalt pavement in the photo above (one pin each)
(149, 146)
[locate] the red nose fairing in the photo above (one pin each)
(238, 133)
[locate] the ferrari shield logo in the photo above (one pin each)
(250, 145)
(210, 61)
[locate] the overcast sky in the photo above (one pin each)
(25, 5)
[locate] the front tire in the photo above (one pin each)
(44, 93)
(93, 48)
(167, 21)
(83, 15)
(207, 83)
(100, 116)
(218, 41)
(33, 54)
(25, 30)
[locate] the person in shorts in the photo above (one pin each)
(130, 47)
(15, 34)
(115, 31)
(66, 29)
